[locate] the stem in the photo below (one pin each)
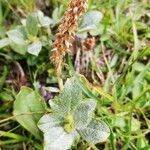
(13, 117)
(59, 73)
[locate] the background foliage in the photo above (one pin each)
(113, 43)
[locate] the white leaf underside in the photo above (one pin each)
(95, 132)
(57, 139)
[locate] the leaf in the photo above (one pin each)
(4, 42)
(35, 48)
(135, 125)
(19, 48)
(6, 96)
(57, 14)
(83, 113)
(142, 143)
(91, 20)
(32, 25)
(95, 132)
(49, 121)
(57, 139)
(70, 97)
(17, 39)
(28, 109)
(120, 122)
(44, 20)
(13, 136)
(139, 67)
(103, 93)
(17, 36)
(145, 52)
(137, 83)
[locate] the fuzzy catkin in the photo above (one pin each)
(66, 30)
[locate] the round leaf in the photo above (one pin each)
(70, 97)
(95, 132)
(26, 105)
(91, 19)
(57, 139)
(35, 48)
(83, 113)
(44, 20)
(48, 121)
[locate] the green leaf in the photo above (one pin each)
(35, 48)
(28, 109)
(57, 14)
(17, 36)
(137, 83)
(142, 143)
(145, 52)
(44, 20)
(139, 67)
(6, 96)
(32, 25)
(17, 39)
(91, 20)
(70, 97)
(119, 122)
(135, 125)
(57, 139)
(19, 48)
(95, 132)
(4, 42)
(83, 113)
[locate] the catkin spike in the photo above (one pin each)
(67, 29)
(66, 32)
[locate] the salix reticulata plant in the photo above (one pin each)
(72, 117)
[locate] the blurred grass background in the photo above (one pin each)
(118, 67)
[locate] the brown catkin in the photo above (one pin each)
(66, 31)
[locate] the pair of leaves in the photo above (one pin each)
(40, 19)
(21, 35)
(70, 101)
(23, 39)
(18, 40)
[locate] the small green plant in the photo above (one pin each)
(25, 38)
(72, 116)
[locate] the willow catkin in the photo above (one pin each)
(66, 31)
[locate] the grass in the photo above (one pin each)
(118, 70)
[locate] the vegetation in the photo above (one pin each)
(95, 95)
